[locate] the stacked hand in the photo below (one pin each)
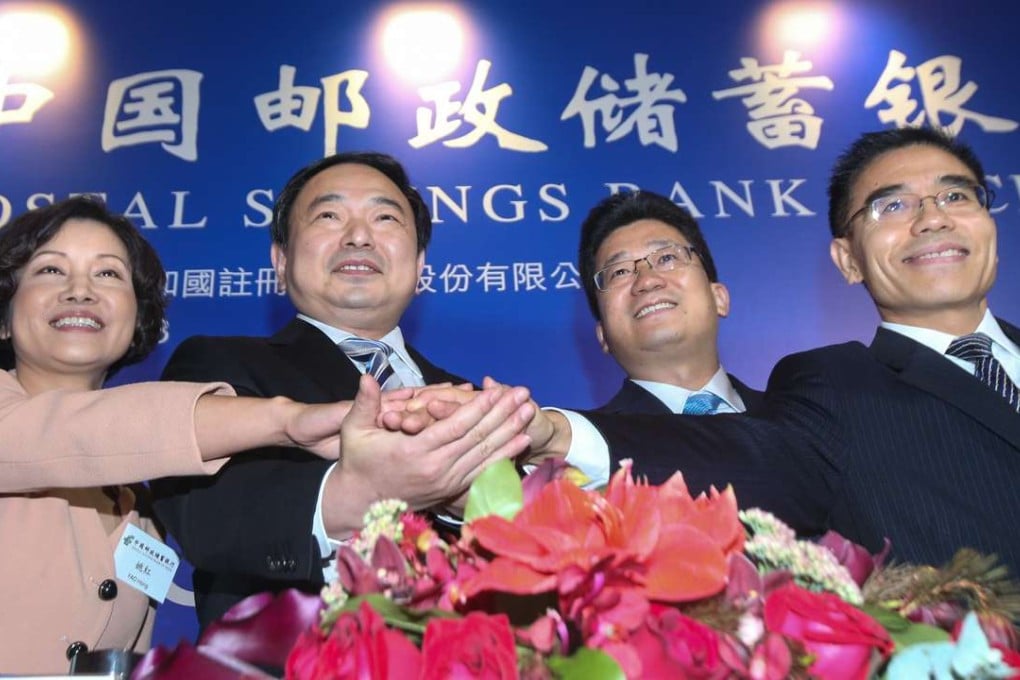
(424, 447)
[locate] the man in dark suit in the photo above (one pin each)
(908, 438)
(349, 234)
(653, 289)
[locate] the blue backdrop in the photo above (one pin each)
(190, 116)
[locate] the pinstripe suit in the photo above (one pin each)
(888, 440)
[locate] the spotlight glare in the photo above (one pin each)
(33, 43)
(423, 45)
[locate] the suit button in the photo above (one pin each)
(76, 648)
(107, 589)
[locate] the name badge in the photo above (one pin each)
(145, 563)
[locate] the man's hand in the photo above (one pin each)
(549, 432)
(437, 463)
(424, 406)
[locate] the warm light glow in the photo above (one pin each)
(423, 45)
(33, 43)
(800, 25)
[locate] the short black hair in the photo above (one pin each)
(869, 146)
(26, 233)
(386, 164)
(622, 209)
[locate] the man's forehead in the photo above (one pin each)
(351, 180)
(639, 238)
(917, 166)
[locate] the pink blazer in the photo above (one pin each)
(56, 553)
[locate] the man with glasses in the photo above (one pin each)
(915, 437)
(653, 289)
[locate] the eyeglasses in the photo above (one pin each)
(902, 208)
(662, 260)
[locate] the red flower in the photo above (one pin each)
(359, 646)
(477, 646)
(607, 556)
(671, 645)
(839, 636)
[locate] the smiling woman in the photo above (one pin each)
(81, 294)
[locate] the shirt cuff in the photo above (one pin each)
(588, 451)
(327, 546)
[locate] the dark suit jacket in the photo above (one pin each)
(632, 398)
(890, 440)
(248, 529)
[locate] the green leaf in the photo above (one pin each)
(586, 664)
(903, 631)
(496, 491)
(887, 618)
(917, 633)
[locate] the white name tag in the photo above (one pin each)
(145, 563)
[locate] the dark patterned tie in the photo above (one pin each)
(977, 349)
(701, 404)
(373, 357)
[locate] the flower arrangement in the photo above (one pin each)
(549, 580)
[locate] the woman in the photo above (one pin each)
(81, 295)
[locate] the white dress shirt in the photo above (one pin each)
(410, 375)
(589, 452)
(1003, 349)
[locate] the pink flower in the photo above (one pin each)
(671, 645)
(857, 560)
(769, 659)
(841, 637)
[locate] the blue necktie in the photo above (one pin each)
(977, 349)
(373, 357)
(701, 404)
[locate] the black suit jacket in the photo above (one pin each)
(633, 398)
(890, 440)
(249, 528)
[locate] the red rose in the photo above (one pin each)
(839, 636)
(304, 656)
(359, 646)
(477, 646)
(671, 645)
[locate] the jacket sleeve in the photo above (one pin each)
(254, 518)
(119, 435)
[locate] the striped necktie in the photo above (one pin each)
(373, 357)
(977, 349)
(701, 404)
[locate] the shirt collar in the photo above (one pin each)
(939, 341)
(675, 396)
(395, 339)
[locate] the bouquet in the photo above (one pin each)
(549, 580)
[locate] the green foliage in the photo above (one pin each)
(903, 631)
(586, 664)
(496, 491)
